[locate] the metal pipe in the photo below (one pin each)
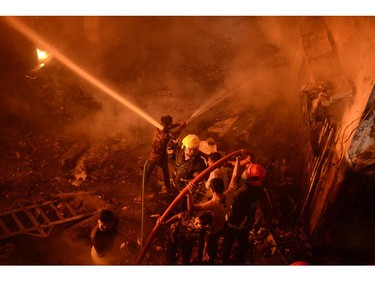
(143, 202)
(181, 196)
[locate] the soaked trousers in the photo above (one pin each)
(174, 249)
(230, 236)
(213, 244)
(150, 166)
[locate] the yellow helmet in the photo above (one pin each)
(191, 141)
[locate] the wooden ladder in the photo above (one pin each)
(37, 219)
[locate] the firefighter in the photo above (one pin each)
(241, 215)
(189, 161)
(159, 154)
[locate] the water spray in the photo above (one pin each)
(214, 100)
(33, 36)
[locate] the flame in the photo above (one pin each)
(43, 57)
(19, 26)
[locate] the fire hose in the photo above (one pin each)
(181, 196)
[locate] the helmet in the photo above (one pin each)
(191, 141)
(300, 263)
(255, 174)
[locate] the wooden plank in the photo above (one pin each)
(26, 231)
(4, 227)
(34, 221)
(18, 222)
(58, 213)
(44, 216)
(22, 207)
(70, 209)
(71, 219)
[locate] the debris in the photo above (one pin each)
(208, 146)
(163, 191)
(271, 244)
(138, 199)
(72, 155)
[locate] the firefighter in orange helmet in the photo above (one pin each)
(241, 215)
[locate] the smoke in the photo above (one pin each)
(262, 67)
(174, 65)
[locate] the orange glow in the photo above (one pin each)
(19, 26)
(42, 55)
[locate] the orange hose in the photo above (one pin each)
(181, 196)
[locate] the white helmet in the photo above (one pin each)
(191, 141)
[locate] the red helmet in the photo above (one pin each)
(300, 263)
(255, 174)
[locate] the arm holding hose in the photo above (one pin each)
(243, 162)
(181, 196)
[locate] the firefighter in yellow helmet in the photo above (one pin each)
(189, 161)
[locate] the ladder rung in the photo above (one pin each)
(33, 220)
(22, 207)
(44, 216)
(58, 213)
(18, 222)
(70, 209)
(4, 227)
(25, 231)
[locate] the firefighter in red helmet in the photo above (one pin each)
(254, 174)
(297, 263)
(241, 215)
